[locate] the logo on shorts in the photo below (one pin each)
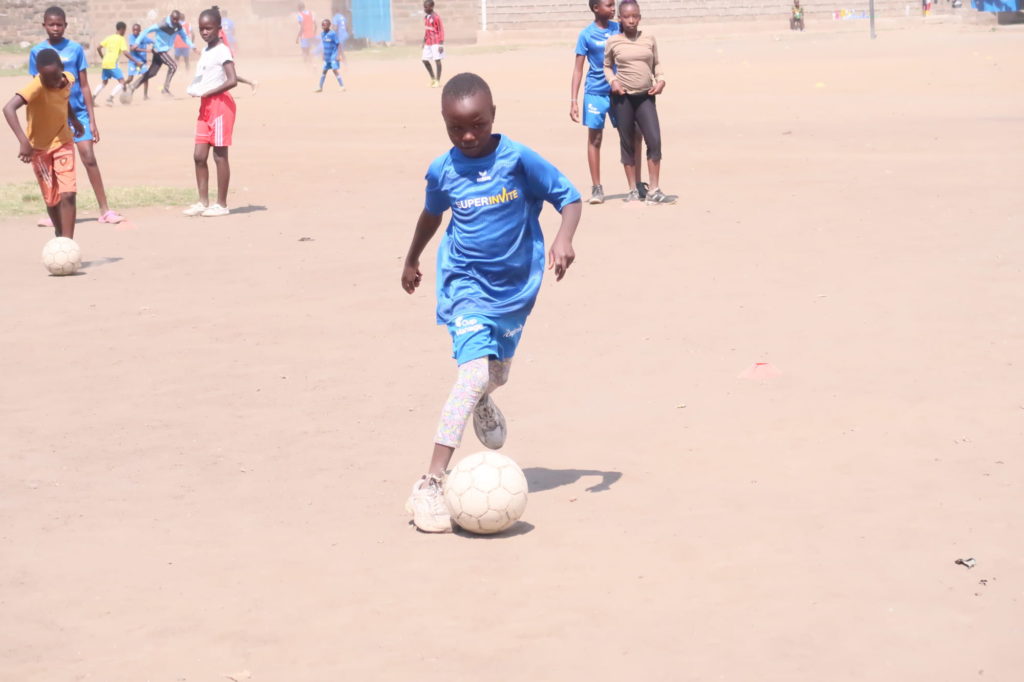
(484, 176)
(509, 333)
(467, 326)
(591, 109)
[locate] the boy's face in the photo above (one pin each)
(469, 121)
(120, 31)
(52, 76)
(325, 25)
(428, 7)
(604, 10)
(629, 16)
(55, 26)
(208, 28)
(136, 29)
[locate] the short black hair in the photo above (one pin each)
(213, 13)
(55, 12)
(629, 2)
(120, 26)
(464, 85)
(48, 57)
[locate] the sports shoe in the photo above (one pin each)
(215, 211)
(656, 196)
(632, 196)
(426, 504)
(597, 195)
(110, 101)
(319, 90)
(435, 83)
(641, 189)
(111, 217)
(195, 209)
(489, 423)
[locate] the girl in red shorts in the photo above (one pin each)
(215, 75)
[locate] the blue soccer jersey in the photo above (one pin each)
(591, 44)
(73, 56)
(330, 42)
(491, 257)
(138, 45)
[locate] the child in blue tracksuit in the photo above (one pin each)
(163, 40)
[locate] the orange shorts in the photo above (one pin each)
(216, 120)
(55, 170)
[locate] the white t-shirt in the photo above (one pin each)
(210, 70)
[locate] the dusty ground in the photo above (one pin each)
(208, 436)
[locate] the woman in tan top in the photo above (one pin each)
(632, 68)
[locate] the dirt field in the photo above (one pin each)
(208, 436)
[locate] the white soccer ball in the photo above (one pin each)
(61, 256)
(486, 492)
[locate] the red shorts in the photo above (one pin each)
(55, 170)
(216, 120)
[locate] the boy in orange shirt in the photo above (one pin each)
(49, 145)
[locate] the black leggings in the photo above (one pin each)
(160, 59)
(641, 111)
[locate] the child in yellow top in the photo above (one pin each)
(110, 49)
(48, 146)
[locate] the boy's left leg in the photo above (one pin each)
(92, 169)
(438, 64)
(220, 157)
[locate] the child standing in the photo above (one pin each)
(73, 57)
(596, 93)
(215, 75)
(110, 50)
(140, 45)
(331, 43)
(632, 68)
(433, 41)
(48, 145)
(490, 264)
(307, 30)
(181, 48)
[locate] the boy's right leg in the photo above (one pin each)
(200, 156)
(430, 70)
(66, 211)
(172, 68)
(154, 67)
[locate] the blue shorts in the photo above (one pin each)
(136, 70)
(83, 118)
(114, 73)
(304, 43)
(479, 336)
(181, 52)
(332, 64)
(595, 107)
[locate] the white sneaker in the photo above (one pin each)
(489, 423)
(215, 210)
(195, 209)
(426, 504)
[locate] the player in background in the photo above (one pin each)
(215, 75)
(490, 264)
(229, 35)
(140, 45)
(340, 26)
(634, 72)
(181, 48)
(48, 145)
(224, 39)
(796, 19)
(433, 41)
(329, 39)
(110, 50)
(163, 39)
(307, 30)
(597, 92)
(80, 97)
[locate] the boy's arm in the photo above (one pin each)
(562, 255)
(426, 228)
(609, 74)
(99, 51)
(577, 78)
(659, 74)
(185, 37)
(440, 31)
(11, 114)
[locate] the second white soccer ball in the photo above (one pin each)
(61, 256)
(486, 492)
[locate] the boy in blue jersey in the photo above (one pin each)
(330, 41)
(597, 92)
(164, 34)
(73, 56)
(140, 45)
(490, 263)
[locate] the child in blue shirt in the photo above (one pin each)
(596, 92)
(329, 39)
(140, 45)
(490, 264)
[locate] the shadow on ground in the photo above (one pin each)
(100, 261)
(517, 528)
(251, 208)
(541, 479)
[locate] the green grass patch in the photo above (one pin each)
(13, 48)
(23, 198)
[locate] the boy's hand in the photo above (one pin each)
(574, 111)
(560, 257)
(440, 49)
(77, 126)
(25, 151)
(617, 88)
(411, 277)
(657, 89)
(92, 129)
